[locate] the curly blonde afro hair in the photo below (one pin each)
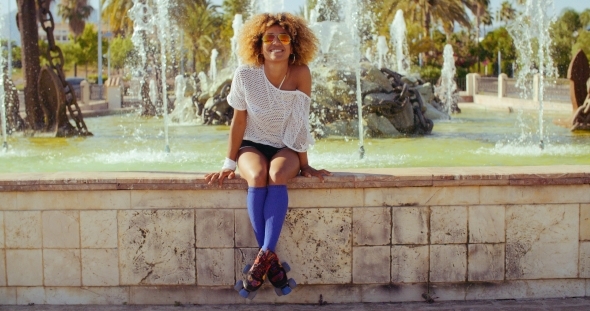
(303, 41)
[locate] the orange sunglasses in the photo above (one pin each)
(283, 37)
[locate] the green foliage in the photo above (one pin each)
(582, 42)
(562, 33)
(496, 41)
(430, 73)
(122, 50)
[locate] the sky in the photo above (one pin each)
(289, 5)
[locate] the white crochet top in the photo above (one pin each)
(275, 117)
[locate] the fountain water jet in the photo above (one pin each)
(3, 95)
(447, 91)
(533, 48)
(398, 34)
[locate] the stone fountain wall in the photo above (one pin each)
(372, 236)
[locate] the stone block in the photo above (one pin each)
(103, 200)
(448, 263)
(175, 199)
(2, 268)
(584, 222)
(487, 224)
(393, 292)
(24, 267)
(44, 200)
(98, 229)
(214, 228)
(156, 247)
(448, 292)
(7, 296)
(526, 289)
(23, 229)
(100, 267)
(187, 295)
(410, 225)
(244, 234)
(61, 229)
(86, 296)
(422, 196)
(8, 200)
(215, 266)
(371, 226)
(486, 262)
(314, 198)
(585, 260)
(30, 295)
(448, 224)
(62, 267)
(553, 194)
(317, 244)
(540, 241)
(2, 244)
(371, 264)
(409, 263)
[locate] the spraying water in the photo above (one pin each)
(398, 33)
(260, 6)
(2, 96)
(448, 86)
(382, 50)
(352, 19)
(213, 66)
(533, 49)
(236, 25)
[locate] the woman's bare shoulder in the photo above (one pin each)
(301, 70)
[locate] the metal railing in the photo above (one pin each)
(488, 85)
(96, 91)
(557, 91)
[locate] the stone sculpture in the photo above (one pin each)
(579, 75)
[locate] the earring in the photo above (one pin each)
(293, 62)
(258, 59)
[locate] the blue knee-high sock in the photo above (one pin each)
(255, 203)
(275, 211)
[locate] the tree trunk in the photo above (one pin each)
(27, 20)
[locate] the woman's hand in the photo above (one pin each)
(220, 176)
(308, 171)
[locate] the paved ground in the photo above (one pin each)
(575, 304)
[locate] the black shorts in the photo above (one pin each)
(266, 150)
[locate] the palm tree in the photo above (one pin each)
(429, 12)
(479, 8)
(506, 12)
(75, 12)
(201, 23)
(115, 13)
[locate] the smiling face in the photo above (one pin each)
(276, 51)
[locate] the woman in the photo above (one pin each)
(270, 132)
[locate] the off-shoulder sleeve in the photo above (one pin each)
(237, 97)
(297, 129)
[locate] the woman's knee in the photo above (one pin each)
(280, 176)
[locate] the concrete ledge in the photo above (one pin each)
(373, 235)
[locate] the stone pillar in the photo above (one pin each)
(536, 80)
(113, 89)
(502, 85)
(85, 92)
(472, 84)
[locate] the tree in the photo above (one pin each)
(75, 12)
(479, 8)
(115, 12)
(496, 41)
(121, 51)
(506, 13)
(562, 33)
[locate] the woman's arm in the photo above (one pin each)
(236, 135)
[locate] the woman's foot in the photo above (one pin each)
(277, 275)
(256, 275)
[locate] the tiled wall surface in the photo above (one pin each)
(349, 244)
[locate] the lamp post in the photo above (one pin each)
(99, 43)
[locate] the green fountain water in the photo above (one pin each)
(476, 137)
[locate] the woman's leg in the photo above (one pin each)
(254, 167)
(283, 166)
